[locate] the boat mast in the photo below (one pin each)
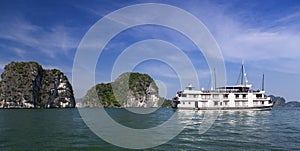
(242, 76)
(242, 80)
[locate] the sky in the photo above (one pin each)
(264, 35)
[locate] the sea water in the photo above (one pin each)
(64, 129)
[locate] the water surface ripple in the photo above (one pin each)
(63, 129)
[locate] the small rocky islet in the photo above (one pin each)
(130, 89)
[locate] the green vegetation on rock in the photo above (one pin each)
(105, 94)
(163, 102)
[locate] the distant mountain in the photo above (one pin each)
(129, 90)
(292, 104)
(28, 85)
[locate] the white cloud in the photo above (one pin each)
(49, 41)
(256, 46)
(277, 45)
(287, 19)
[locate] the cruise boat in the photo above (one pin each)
(236, 97)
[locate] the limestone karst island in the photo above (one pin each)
(28, 85)
(130, 89)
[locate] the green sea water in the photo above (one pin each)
(64, 129)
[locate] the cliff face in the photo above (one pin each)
(56, 90)
(128, 90)
(135, 90)
(28, 85)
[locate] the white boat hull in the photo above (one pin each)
(262, 108)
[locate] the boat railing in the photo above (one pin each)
(229, 91)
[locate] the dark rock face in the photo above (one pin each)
(56, 90)
(278, 101)
(28, 85)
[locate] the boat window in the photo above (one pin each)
(193, 96)
(183, 102)
(215, 103)
(220, 103)
(262, 102)
(226, 103)
(225, 96)
(183, 95)
(206, 96)
(258, 95)
(189, 102)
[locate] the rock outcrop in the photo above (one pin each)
(281, 102)
(128, 90)
(28, 85)
(278, 101)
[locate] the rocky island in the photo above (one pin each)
(129, 90)
(28, 85)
